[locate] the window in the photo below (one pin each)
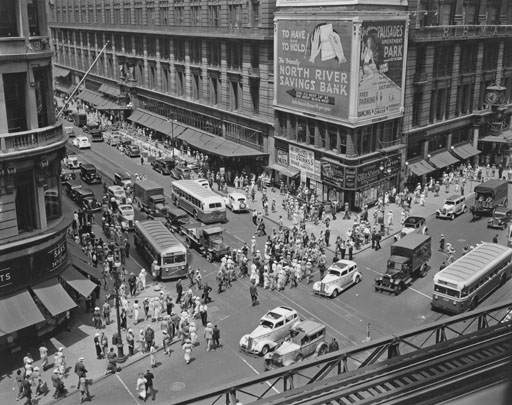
(197, 85)
(99, 14)
(235, 92)
(332, 134)
(439, 105)
(25, 201)
(301, 130)
(108, 16)
(178, 12)
(421, 59)
(461, 135)
(179, 50)
(164, 14)
(414, 147)
(255, 13)
(443, 61)
(127, 15)
(255, 95)
(165, 79)
(322, 130)
(470, 12)
(235, 15)
(464, 104)
(151, 46)
(33, 18)
(468, 58)
(138, 13)
(180, 82)
(234, 55)
(165, 48)
(213, 53)
(117, 13)
(196, 51)
(151, 17)
(152, 76)
(128, 47)
(507, 54)
(491, 52)
(311, 132)
(417, 100)
(140, 74)
(213, 15)
(195, 15)
(139, 45)
(214, 86)
(437, 142)
(446, 13)
(52, 193)
(15, 101)
(43, 100)
(493, 13)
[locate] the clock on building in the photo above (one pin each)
(494, 95)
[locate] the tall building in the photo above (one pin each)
(33, 220)
(200, 71)
(458, 86)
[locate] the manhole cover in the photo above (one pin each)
(176, 386)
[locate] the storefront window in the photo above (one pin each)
(414, 148)
(460, 136)
(437, 142)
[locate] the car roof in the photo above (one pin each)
(115, 187)
(414, 220)
(503, 209)
(88, 166)
(282, 311)
(81, 138)
(307, 326)
(237, 195)
(125, 206)
(454, 197)
(342, 264)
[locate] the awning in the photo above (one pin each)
(503, 137)
(53, 296)
(217, 145)
(421, 168)
(78, 282)
(110, 105)
(60, 72)
(287, 171)
(90, 97)
(86, 269)
(110, 90)
(136, 116)
(17, 312)
(443, 159)
(465, 151)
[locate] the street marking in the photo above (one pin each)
(127, 389)
(419, 292)
(375, 271)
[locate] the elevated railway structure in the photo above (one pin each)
(425, 365)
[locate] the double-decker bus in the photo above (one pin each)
(466, 282)
(204, 204)
(156, 243)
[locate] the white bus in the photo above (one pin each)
(466, 282)
(155, 242)
(205, 205)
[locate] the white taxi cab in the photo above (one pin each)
(339, 277)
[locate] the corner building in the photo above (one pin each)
(33, 219)
(339, 86)
(199, 71)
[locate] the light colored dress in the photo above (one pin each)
(187, 348)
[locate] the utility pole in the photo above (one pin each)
(81, 81)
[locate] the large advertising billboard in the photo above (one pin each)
(381, 68)
(313, 66)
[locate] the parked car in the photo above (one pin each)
(453, 206)
(132, 151)
(163, 165)
(306, 338)
(273, 328)
(181, 173)
(501, 217)
(339, 277)
(237, 202)
(81, 142)
(126, 216)
(411, 224)
(71, 161)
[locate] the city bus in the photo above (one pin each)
(155, 242)
(204, 204)
(465, 283)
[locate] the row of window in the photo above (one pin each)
(415, 144)
(234, 14)
(9, 22)
(496, 271)
(187, 197)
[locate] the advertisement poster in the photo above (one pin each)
(302, 159)
(333, 174)
(282, 157)
(313, 66)
(381, 68)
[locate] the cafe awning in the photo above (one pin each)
(78, 282)
(90, 97)
(110, 90)
(18, 311)
(60, 72)
(217, 145)
(421, 168)
(285, 170)
(466, 151)
(443, 159)
(53, 296)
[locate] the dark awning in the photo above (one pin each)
(110, 90)
(287, 171)
(17, 312)
(503, 137)
(421, 168)
(60, 72)
(136, 116)
(53, 296)
(466, 151)
(78, 282)
(111, 105)
(90, 97)
(217, 145)
(443, 159)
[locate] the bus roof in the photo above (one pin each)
(195, 189)
(159, 235)
(473, 265)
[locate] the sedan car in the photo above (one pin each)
(81, 142)
(412, 224)
(237, 202)
(126, 216)
(340, 276)
(501, 217)
(132, 151)
(273, 328)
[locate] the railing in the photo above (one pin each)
(459, 31)
(474, 325)
(35, 138)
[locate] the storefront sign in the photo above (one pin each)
(333, 174)
(282, 157)
(350, 177)
(317, 176)
(313, 66)
(30, 267)
(381, 68)
(302, 159)
(371, 172)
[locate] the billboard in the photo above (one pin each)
(381, 68)
(302, 159)
(313, 66)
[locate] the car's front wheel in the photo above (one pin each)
(265, 349)
(334, 293)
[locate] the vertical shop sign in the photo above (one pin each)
(282, 157)
(381, 68)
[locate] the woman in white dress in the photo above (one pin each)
(141, 386)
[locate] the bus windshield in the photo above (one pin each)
(447, 291)
(174, 259)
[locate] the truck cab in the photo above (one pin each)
(89, 174)
(208, 241)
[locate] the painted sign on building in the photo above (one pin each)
(282, 157)
(333, 173)
(381, 68)
(313, 66)
(302, 159)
